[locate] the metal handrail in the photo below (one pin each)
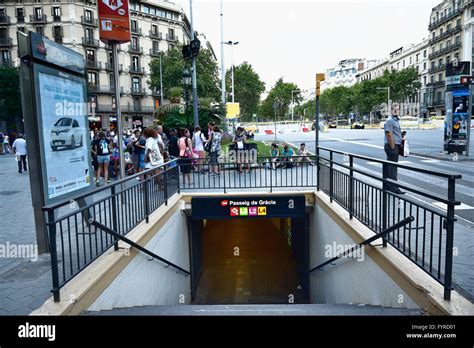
(135, 245)
(415, 169)
(365, 242)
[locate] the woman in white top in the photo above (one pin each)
(153, 158)
(199, 139)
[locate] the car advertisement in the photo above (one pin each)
(65, 135)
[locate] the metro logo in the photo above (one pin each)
(113, 4)
(234, 211)
(224, 203)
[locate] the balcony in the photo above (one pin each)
(102, 89)
(56, 18)
(90, 21)
(20, 19)
(444, 19)
(133, 69)
(41, 19)
(6, 42)
(447, 33)
(135, 49)
(136, 31)
(58, 39)
(4, 20)
(86, 41)
(138, 91)
(91, 64)
(437, 68)
(156, 35)
(445, 50)
(172, 38)
(154, 53)
(435, 103)
(109, 67)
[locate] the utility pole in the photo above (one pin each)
(118, 111)
(223, 97)
(161, 83)
(195, 96)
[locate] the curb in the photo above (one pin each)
(443, 158)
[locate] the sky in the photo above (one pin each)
(297, 39)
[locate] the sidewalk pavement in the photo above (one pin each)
(24, 283)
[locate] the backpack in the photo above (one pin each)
(208, 145)
(103, 147)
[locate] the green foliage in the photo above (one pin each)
(173, 66)
(280, 92)
(367, 95)
(248, 89)
(10, 96)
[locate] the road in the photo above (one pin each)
(370, 143)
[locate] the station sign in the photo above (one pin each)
(114, 21)
(247, 207)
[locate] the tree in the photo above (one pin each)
(281, 93)
(10, 96)
(173, 66)
(248, 89)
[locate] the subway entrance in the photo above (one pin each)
(237, 258)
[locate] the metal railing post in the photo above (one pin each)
(165, 185)
(54, 255)
(448, 267)
(114, 215)
(318, 168)
(223, 174)
(271, 177)
(146, 197)
(177, 170)
(351, 187)
(331, 177)
(385, 187)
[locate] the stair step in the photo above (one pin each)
(250, 310)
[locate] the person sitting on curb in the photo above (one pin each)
(287, 155)
(274, 154)
(303, 155)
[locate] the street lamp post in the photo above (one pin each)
(161, 82)
(194, 77)
(292, 104)
(232, 44)
(388, 99)
(187, 82)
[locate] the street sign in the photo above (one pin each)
(247, 207)
(114, 21)
(233, 110)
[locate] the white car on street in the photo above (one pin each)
(66, 133)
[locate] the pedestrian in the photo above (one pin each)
(164, 139)
(138, 149)
(185, 154)
(392, 146)
(6, 144)
(215, 149)
(240, 143)
(153, 158)
(198, 141)
(19, 149)
(274, 156)
(173, 144)
(102, 149)
(287, 155)
(405, 148)
(303, 155)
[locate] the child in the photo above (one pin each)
(303, 155)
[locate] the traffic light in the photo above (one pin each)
(319, 78)
(191, 50)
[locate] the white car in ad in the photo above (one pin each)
(66, 133)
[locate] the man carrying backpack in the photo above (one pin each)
(102, 149)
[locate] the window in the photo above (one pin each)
(88, 16)
(6, 57)
(458, 22)
(2, 13)
(432, 78)
(472, 13)
(441, 31)
(424, 54)
(154, 29)
(40, 30)
(440, 77)
(134, 42)
(438, 96)
(146, 9)
(135, 62)
(448, 59)
(22, 29)
(398, 66)
(156, 46)
(89, 34)
(417, 69)
(424, 66)
(111, 80)
(424, 80)
(133, 25)
(411, 60)
(38, 12)
(58, 34)
(20, 15)
(417, 57)
(440, 62)
(136, 83)
(404, 63)
(90, 55)
(458, 39)
(432, 65)
(92, 78)
(56, 12)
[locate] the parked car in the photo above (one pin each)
(66, 133)
(333, 125)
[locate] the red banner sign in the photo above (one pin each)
(114, 21)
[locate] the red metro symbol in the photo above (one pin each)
(224, 203)
(113, 4)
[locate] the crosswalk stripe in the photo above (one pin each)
(431, 161)
(443, 206)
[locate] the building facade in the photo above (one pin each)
(156, 26)
(344, 73)
(450, 38)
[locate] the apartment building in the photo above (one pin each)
(450, 27)
(156, 26)
(345, 72)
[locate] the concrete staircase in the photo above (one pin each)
(265, 310)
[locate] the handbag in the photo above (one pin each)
(208, 146)
(240, 145)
